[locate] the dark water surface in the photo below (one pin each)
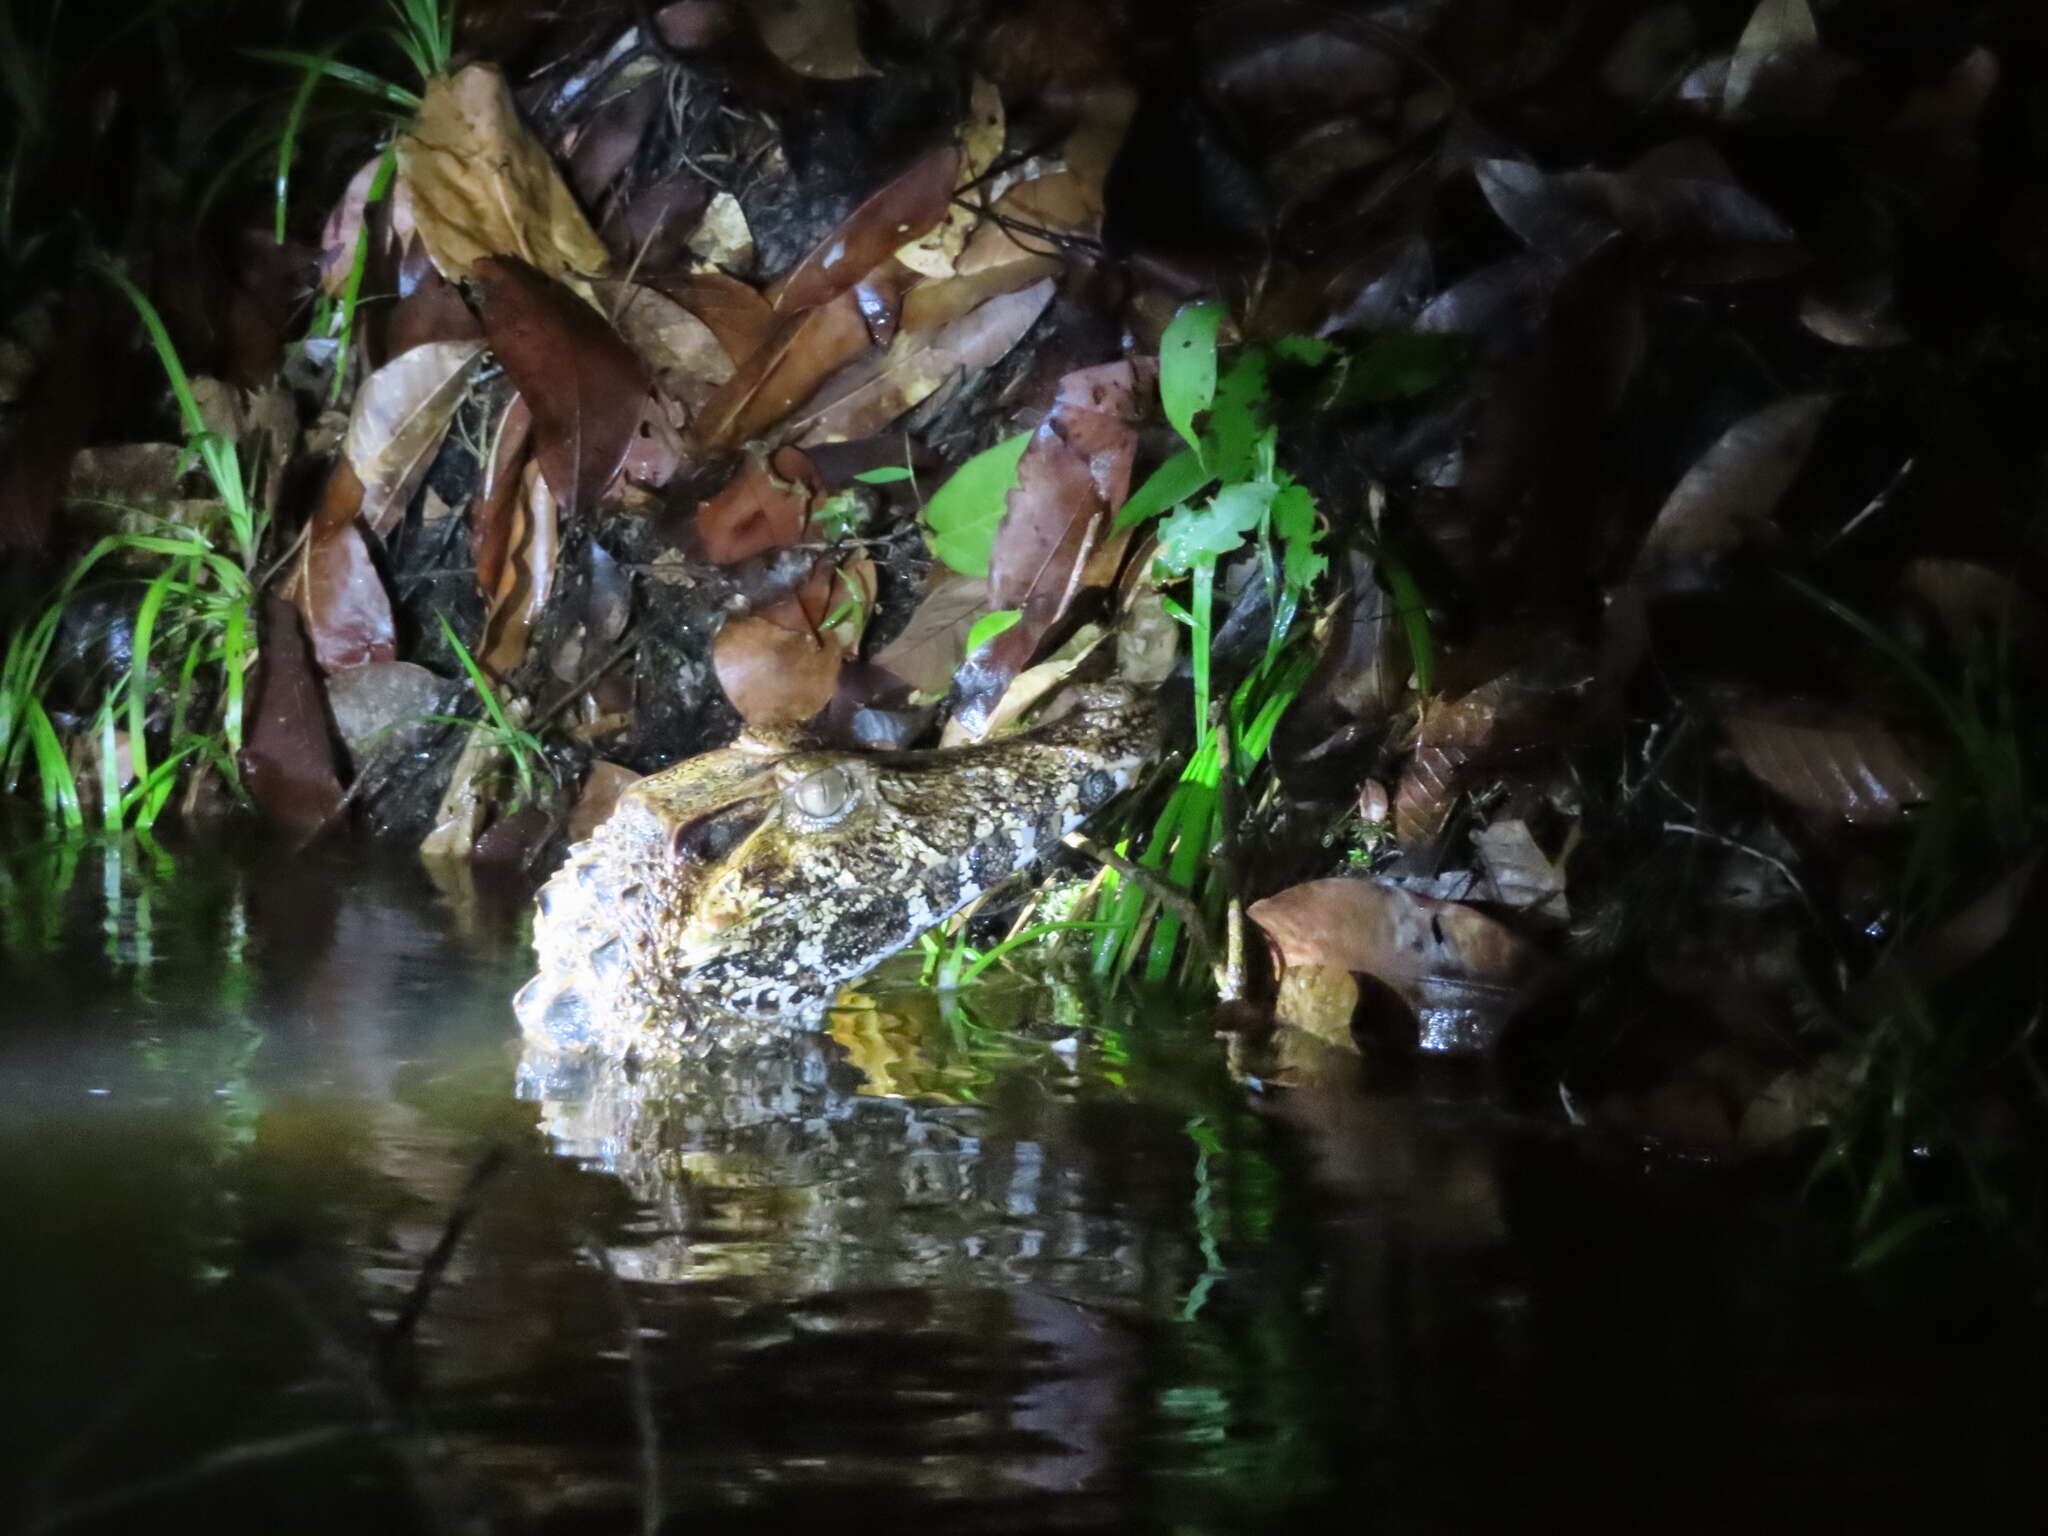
(1008, 1268)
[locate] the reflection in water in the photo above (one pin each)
(296, 1237)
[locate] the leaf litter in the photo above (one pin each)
(1598, 462)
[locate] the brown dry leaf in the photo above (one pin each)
(1030, 686)
(765, 506)
(981, 139)
(722, 240)
(932, 644)
(819, 38)
(1830, 763)
(601, 790)
(1524, 875)
(688, 360)
(736, 313)
(1055, 205)
(1075, 474)
(401, 413)
(586, 388)
(288, 761)
(340, 596)
(1451, 735)
(802, 351)
(775, 677)
(899, 213)
(1461, 971)
(525, 580)
(1734, 489)
(1427, 794)
(871, 393)
(481, 185)
(465, 806)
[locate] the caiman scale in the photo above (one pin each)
(736, 893)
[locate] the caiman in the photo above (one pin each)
(737, 892)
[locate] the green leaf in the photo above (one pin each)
(1311, 351)
(1194, 535)
(966, 511)
(1187, 367)
(1294, 524)
(1172, 483)
(888, 474)
(989, 625)
(1237, 421)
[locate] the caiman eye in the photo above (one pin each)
(825, 795)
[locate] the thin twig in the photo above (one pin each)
(1741, 847)
(464, 1211)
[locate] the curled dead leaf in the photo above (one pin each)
(526, 577)
(401, 414)
(870, 393)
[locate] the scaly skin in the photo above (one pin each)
(739, 891)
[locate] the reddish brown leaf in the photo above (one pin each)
(429, 309)
(775, 677)
(341, 597)
(1461, 971)
(1734, 489)
(490, 519)
(899, 213)
(1832, 764)
(764, 507)
(401, 413)
(799, 355)
(585, 386)
(288, 760)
